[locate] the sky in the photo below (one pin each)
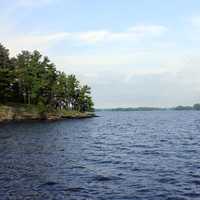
(131, 52)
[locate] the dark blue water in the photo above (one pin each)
(120, 155)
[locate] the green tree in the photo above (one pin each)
(196, 106)
(6, 75)
(31, 78)
(84, 100)
(60, 99)
(36, 77)
(72, 87)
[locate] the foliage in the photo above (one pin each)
(32, 79)
(196, 106)
(183, 108)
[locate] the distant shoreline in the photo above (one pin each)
(195, 107)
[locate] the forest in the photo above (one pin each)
(32, 79)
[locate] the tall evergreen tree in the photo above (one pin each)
(31, 78)
(6, 74)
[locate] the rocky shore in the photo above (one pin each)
(24, 112)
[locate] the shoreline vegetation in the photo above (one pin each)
(177, 108)
(31, 88)
(21, 112)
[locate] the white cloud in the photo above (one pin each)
(195, 21)
(32, 42)
(129, 62)
(91, 36)
(144, 79)
(140, 65)
(31, 3)
(135, 33)
(155, 88)
(155, 30)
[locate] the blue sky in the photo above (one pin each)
(131, 52)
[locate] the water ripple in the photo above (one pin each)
(119, 156)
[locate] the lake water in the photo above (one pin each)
(120, 155)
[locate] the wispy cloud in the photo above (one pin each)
(154, 30)
(132, 34)
(195, 21)
(143, 64)
(36, 41)
(31, 3)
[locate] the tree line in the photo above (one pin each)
(32, 79)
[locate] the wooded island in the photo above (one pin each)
(31, 87)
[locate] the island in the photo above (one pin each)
(31, 88)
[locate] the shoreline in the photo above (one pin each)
(31, 113)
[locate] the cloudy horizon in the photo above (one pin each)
(143, 53)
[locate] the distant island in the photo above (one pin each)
(194, 107)
(32, 88)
